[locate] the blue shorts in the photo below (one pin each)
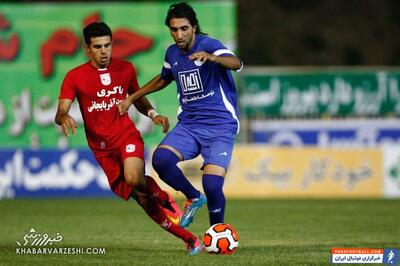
(214, 145)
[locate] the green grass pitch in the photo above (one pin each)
(271, 232)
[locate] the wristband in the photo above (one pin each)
(152, 113)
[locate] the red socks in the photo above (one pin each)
(156, 213)
(151, 188)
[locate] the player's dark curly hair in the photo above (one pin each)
(183, 10)
(96, 29)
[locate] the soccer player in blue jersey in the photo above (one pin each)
(207, 118)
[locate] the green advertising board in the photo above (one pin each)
(320, 92)
(40, 42)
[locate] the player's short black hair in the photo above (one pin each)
(96, 29)
(183, 10)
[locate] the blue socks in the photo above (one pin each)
(212, 185)
(164, 162)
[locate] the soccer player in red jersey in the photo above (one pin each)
(99, 85)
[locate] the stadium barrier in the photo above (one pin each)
(260, 171)
(328, 133)
(256, 172)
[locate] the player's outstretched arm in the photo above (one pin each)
(230, 62)
(156, 84)
(63, 119)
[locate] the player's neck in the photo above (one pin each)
(192, 43)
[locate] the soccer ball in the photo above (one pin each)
(221, 239)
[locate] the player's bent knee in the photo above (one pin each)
(212, 169)
(163, 159)
(134, 180)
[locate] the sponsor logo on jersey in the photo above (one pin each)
(105, 79)
(130, 148)
(190, 81)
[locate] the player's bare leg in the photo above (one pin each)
(134, 176)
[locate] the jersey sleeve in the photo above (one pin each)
(133, 82)
(215, 47)
(166, 71)
(67, 90)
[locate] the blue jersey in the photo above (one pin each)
(206, 91)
